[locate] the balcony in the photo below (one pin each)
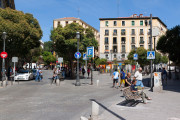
(123, 33)
(106, 34)
(141, 33)
(141, 42)
(115, 34)
(133, 33)
(123, 51)
(133, 43)
(123, 42)
(106, 51)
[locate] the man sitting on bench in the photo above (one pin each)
(135, 91)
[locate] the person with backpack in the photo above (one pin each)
(123, 75)
(115, 77)
(38, 75)
(88, 71)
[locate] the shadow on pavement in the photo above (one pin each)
(110, 111)
(129, 103)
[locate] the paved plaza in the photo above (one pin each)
(32, 100)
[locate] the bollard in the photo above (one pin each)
(97, 82)
(95, 111)
(83, 118)
(57, 82)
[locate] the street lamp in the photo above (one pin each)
(111, 51)
(77, 79)
(3, 62)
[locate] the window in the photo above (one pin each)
(149, 32)
(141, 23)
(123, 23)
(123, 40)
(123, 55)
(141, 40)
(133, 40)
(114, 55)
(106, 40)
(74, 21)
(133, 31)
(106, 23)
(115, 32)
(132, 47)
(141, 32)
(66, 22)
(141, 45)
(133, 23)
(106, 32)
(106, 48)
(107, 56)
(114, 40)
(59, 23)
(115, 23)
(149, 40)
(123, 32)
(123, 48)
(149, 47)
(114, 49)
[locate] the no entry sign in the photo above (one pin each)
(4, 54)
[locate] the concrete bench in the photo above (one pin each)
(129, 95)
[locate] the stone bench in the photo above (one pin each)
(129, 95)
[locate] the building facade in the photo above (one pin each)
(7, 3)
(68, 20)
(118, 36)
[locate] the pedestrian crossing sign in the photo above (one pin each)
(150, 55)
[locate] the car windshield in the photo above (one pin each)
(23, 71)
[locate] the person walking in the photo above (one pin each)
(128, 80)
(88, 71)
(38, 77)
(138, 76)
(115, 77)
(123, 75)
(83, 71)
(164, 75)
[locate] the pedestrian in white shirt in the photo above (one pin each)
(138, 76)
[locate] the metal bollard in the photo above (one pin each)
(57, 82)
(95, 111)
(97, 82)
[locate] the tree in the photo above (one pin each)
(164, 59)
(66, 42)
(23, 32)
(101, 61)
(170, 42)
(48, 57)
(142, 56)
(48, 46)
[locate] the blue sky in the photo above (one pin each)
(91, 10)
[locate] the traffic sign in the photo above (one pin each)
(77, 55)
(4, 54)
(90, 51)
(135, 56)
(150, 54)
(84, 56)
(60, 60)
(14, 59)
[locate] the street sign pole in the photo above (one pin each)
(3, 62)
(151, 48)
(77, 79)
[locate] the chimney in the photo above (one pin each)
(134, 15)
(140, 15)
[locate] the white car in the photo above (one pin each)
(24, 75)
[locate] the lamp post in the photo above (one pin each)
(111, 51)
(135, 60)
(77, 79)
(3, 62)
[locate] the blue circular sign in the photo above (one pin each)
(77, 55)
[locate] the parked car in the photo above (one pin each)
(24, 75)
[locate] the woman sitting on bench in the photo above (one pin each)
(135, 91)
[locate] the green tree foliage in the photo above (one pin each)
(164, 59)
(101, 61)
(48, 57)
(169, 43)
(48, 46)
(23, 32)
(66, 42)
